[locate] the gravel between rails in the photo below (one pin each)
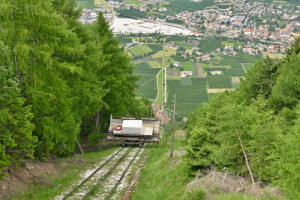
(107, 185)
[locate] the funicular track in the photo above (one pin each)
(105, 177)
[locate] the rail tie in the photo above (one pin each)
(87, 195)
(119, 181)
(78, 186)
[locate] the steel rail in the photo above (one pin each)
(119, 181)
(87, 195)
(83, 182)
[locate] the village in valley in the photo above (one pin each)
(197, 49)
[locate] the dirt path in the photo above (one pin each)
(198, 70)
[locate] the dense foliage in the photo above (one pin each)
(255, 129)
(58, 79)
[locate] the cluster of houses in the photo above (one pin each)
(89, 16)
(240, 20)
(245, 19)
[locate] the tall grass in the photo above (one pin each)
(162, 178)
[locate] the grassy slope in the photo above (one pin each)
(68, 174)
(160, 178)
(160, 79)
(163, 179)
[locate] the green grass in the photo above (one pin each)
(154, 64)
(162, 179)
(160, 86)
(186, 47)
(89, 4)
(134, 2)
(124, 40)
(147, 74)
(228, 43)
(235, 196)
(68, 175)
(187, 66)
(140, 50)
(216, 82)
(168, 52)
(100, 3)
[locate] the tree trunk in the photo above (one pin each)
(97, 123)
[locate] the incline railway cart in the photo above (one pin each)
(134, 131)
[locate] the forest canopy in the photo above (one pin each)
(59, 79)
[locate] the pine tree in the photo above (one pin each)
(117, 72)
(46, 57)
(16, 140)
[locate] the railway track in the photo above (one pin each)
(104, 181)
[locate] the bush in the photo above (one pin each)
(195, 194)
(93, 138)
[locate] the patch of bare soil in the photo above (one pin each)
(180, 133)
(215, 183)
(17, 180)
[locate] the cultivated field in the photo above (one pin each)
(187, 5)
(147, 83)
(190, 93)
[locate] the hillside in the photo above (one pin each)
(253, 131)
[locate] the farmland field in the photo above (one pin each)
(186, 81)
(147, 82)
(154, 64)
(215, 82)
(124, 40)
(133, 13)
(187, 66)
(140, 50)
(100, 3)
(273, 55)
(235, 72)
(248, 65)
(187, 5)
(89, 4)
(134, 2)
(168, 52)
(155, 47)
(160, 86)
(207, 46)
(188, 96)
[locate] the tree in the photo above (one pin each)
(117, 72)
(286, 160)
(16, 140)
(259, 79)
(46, 57)
(286, 91)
